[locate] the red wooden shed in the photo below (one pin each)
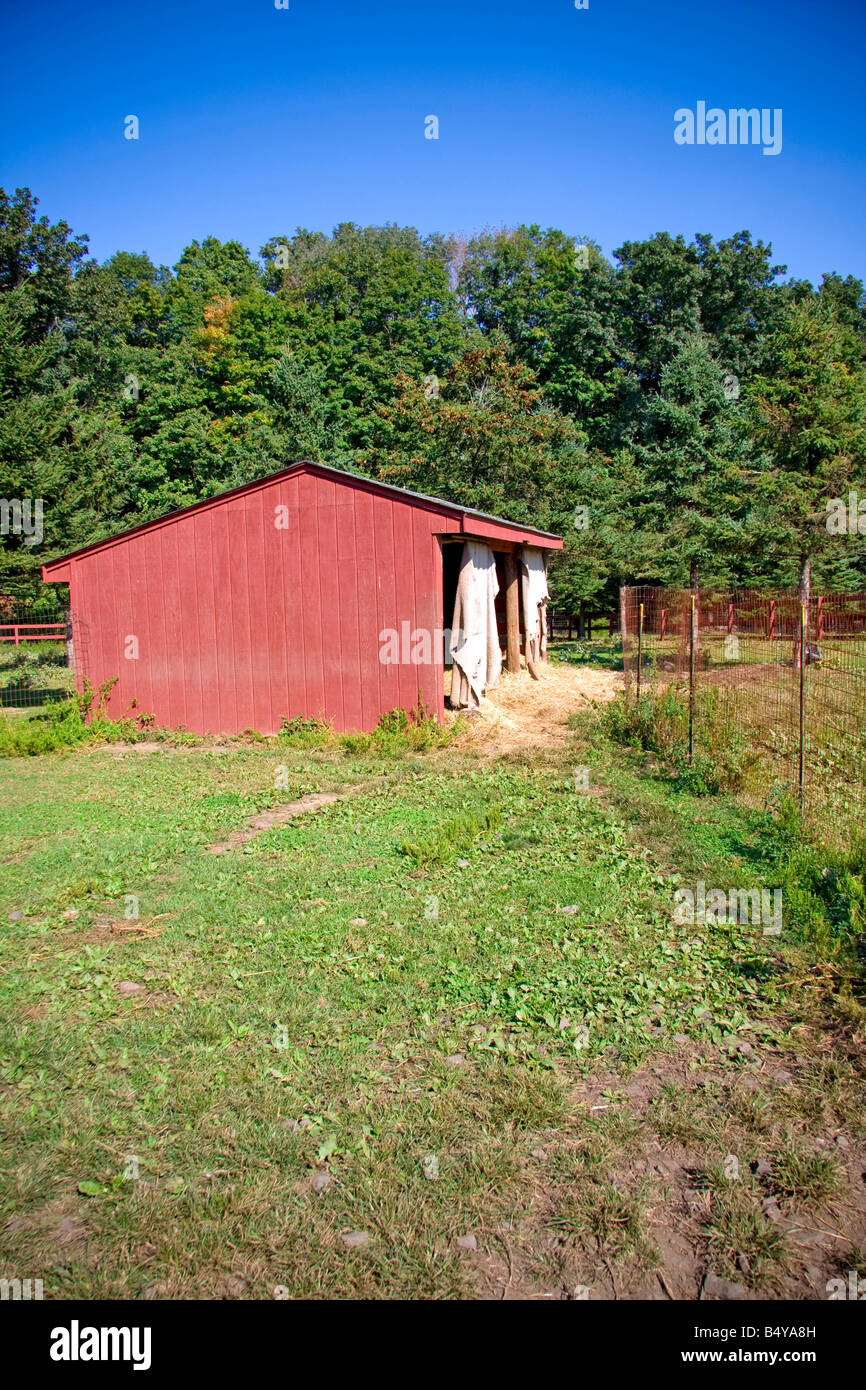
(272, 601)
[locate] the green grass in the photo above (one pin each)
(324, 1000)
(727, 843)
(600, 652)
(746, 725)
(35, 664)
(33, 674)
(837, 653)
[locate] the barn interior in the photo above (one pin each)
(514, 590)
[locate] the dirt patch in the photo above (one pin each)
(664, 1186)
(56, 1229)
(118, 928)
(522, 713)
(278, 815)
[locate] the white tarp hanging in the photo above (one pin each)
(535, 595)
(474, 639)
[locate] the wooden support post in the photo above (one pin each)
(512, 614)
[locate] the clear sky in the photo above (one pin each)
(254, 120)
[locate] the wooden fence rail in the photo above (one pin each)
(32, 632)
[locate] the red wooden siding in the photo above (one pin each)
(240, 624)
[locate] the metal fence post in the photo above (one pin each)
(692, 682)
(639, 649)
(622, 628)
(802, 770)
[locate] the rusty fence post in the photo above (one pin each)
(803, 658)
(639, 648)
(623, 636)
(692, 682)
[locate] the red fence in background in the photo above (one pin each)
(32, 632)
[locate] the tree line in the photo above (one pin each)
(684, 414)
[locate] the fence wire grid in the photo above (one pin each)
(761, 684)
(37, 654)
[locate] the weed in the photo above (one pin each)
(810, 1179)
(455, 835)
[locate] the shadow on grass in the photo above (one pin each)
(602, 654)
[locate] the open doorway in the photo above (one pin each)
(452, 559)
(452, 554)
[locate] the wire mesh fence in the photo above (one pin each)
(762, 689)
(37, 655)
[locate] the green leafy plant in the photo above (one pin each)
(456, 834)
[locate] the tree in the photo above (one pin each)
(692, 520)
(37, 406)
(594, 400)
(40, 256)
(305, 415)
(809, 413)
(361, 308)
(34, 414)
(489, 441)
(556, 304)
(670, 289)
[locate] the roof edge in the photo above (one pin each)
(302, 465)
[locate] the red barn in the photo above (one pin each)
(276, 600)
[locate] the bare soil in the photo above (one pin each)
(554, 1249)
(278, 815)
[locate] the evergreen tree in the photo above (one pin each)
(693, 465)
(809, 413)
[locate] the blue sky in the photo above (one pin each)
(254, 120)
